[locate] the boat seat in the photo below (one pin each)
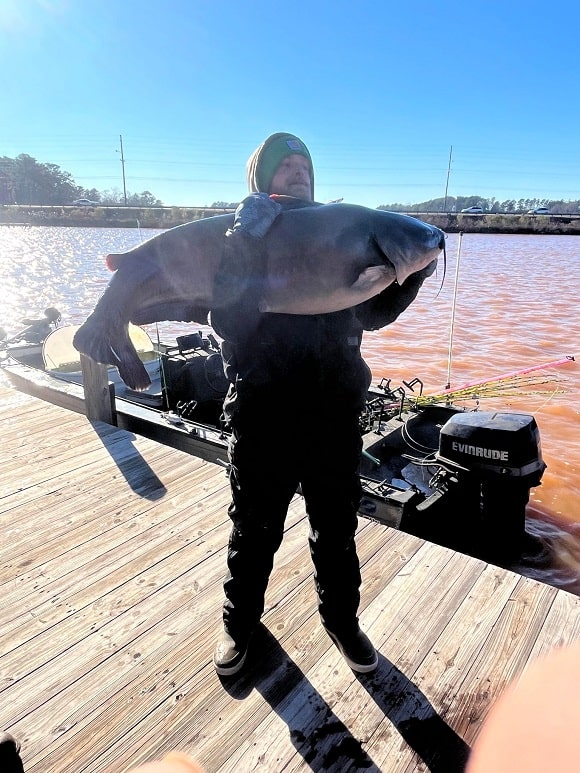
(61, 359)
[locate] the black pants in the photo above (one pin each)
(279, 442)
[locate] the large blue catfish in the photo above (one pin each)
(319, 259)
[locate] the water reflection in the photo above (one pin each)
(516, 307)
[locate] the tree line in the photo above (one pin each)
(489, 206)
(24, 180)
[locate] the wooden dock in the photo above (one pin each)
(112, 558)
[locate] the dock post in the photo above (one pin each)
(99, 393)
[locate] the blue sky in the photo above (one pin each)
(380, 91)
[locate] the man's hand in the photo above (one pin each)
(385, 307)
(255, 215)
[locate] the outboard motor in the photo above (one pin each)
(488, 463)
(37, 330)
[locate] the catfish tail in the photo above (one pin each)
(111, 345)
(104, 336)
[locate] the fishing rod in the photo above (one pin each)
(508, 376)
(485, 382)
(498, 386)
(448, 385)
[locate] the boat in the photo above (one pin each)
(460, 478)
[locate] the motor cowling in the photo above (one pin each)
(491, 444)
(488, 463)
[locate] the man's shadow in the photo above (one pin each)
(420, 726)
(323, 740)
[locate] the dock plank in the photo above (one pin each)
(111, 566)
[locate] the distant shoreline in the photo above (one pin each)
(455, 222)
(104, 217)
(168, 217)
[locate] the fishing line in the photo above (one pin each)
(415, 445)
(448, 386)
(548, 399)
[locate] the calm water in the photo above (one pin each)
(516, 307)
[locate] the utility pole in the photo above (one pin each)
(123, 168)
(447, 183)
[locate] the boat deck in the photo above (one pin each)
(112, 559)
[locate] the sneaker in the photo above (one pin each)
(357, 649)
(229, 656)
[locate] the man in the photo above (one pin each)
(304, 375)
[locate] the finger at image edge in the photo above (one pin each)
(174, 762)
(533, 727)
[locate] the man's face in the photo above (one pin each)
(292, 178)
